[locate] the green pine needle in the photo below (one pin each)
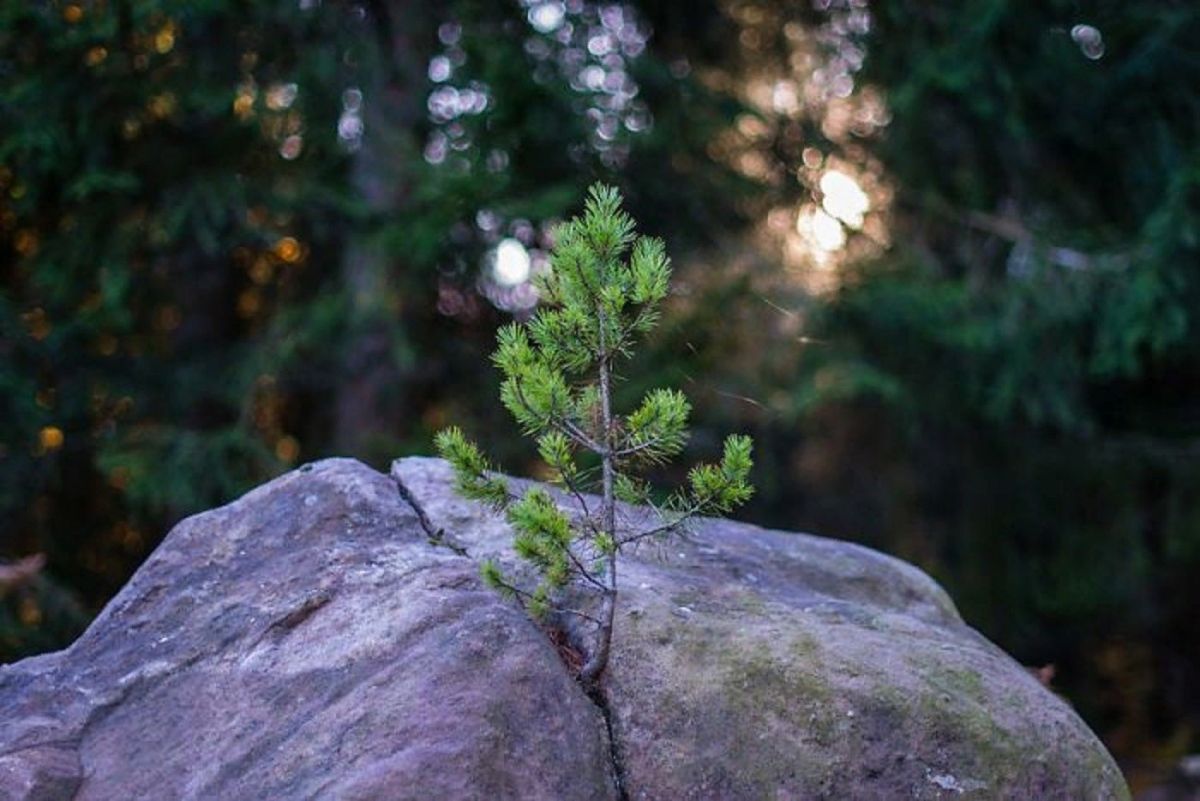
(602, 292)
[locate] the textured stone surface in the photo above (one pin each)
(307, 642)
(753, 664)
(303, 642)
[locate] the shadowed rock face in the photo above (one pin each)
(307, 641)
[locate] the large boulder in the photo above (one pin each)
(307, 641)
(302, 642)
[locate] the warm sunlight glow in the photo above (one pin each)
(844, 199)
(823, 231)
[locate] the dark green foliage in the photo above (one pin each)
(182, 311)
(1021, 369)
(150, 234)
(1057, 196)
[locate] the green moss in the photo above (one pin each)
(766, 686)
(750, 697)
(749, 602)
(806, 648)
(959, 681)
(769, 709)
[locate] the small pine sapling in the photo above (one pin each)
(602, 292)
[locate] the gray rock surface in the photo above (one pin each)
(307, 641)
(302, 642)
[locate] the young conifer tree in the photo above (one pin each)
(602, 292)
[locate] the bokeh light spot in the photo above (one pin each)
(1089, 39)
(287, 449)
(164, 40)
(162, 105)
(281, 96)
(844, 198)
(510, 263)
(547, 17)
(51, 438)
(291, 147)
(822, 230)
(288, 250)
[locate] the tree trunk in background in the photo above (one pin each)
(370, 390)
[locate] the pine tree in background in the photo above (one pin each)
(602, 292)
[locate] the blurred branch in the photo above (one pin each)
(14, 574)
(1011, 228)
(1163, 449)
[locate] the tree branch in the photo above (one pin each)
(635, 449)
(566, 426)
(520, 595)
(583, 504)
(576, 433)
(684, 516)
(583, 571)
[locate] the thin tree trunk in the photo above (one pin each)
(598, 659)
(369, 395)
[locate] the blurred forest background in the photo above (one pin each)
(940, 259)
